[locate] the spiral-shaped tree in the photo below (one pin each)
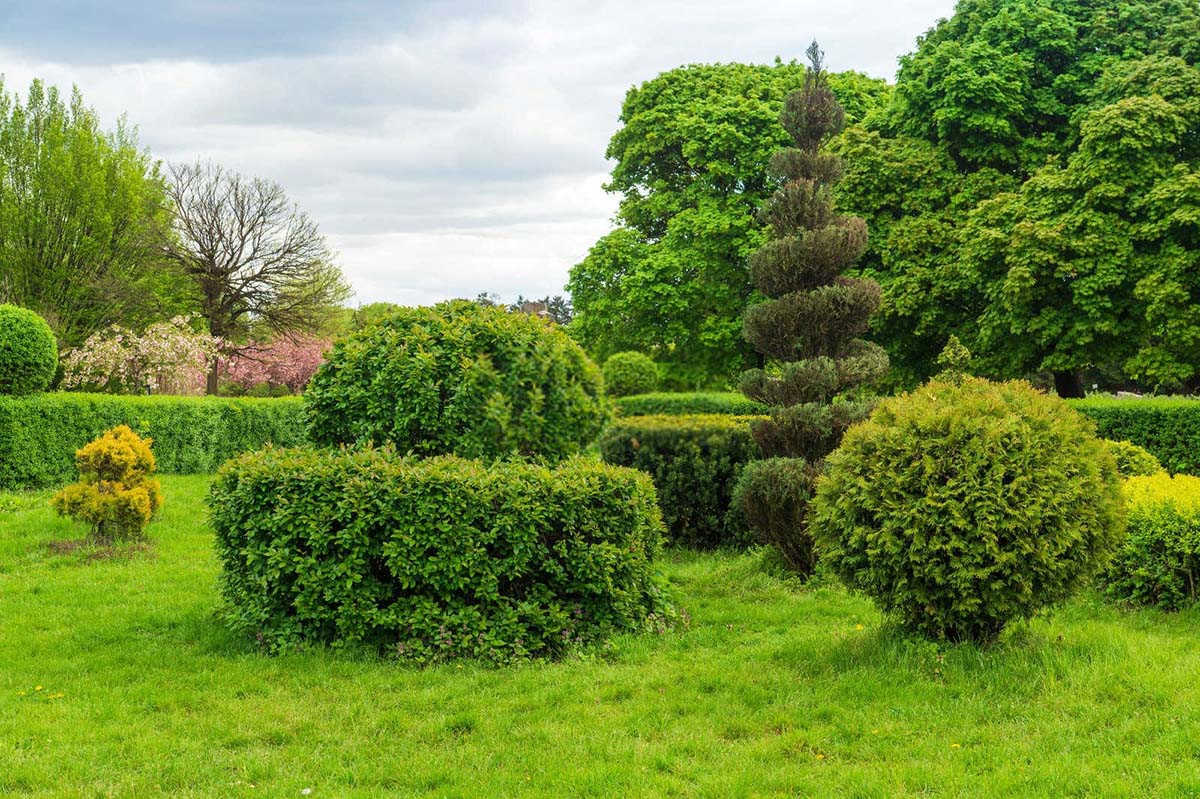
(808, 329)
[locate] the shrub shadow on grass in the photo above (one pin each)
(85, 550)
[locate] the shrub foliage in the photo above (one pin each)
(630, 373)
(960, 508)
(688, 403)
(1167, 427)
(1132, 460)
(459, 378)
(433, 559)
(1158, 563)
(28, 351)
(115, 494)
(695, 461)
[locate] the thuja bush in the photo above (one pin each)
(438, 558)
(116, 494)
(630, 373)
(459, 378)
(808, 329)
(959, 508)
(1132, 460)
(1158, 563)
(28, 351)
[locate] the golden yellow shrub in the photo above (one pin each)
(115, 494)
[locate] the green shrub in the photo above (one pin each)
(433, 559)
(695, 461)
(1159, 562)
(39, 434)
(628, 373)
(115, 495)
(1167, 427)
(960, 508)
(459, 378)
(730, 402)
(1132, 460)
(28, 351)
(773, 496)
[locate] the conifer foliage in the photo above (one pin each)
(809, 328)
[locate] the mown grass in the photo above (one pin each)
(773, 689)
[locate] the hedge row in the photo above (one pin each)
(40, 433)
(730, 402)
(1167, 427)
(433, 559)
(695, 461)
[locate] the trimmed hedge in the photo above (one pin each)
(1159, 562)
(433, 559)
(1167, 427)
(666, 403)
(695, 461)
(39, 434)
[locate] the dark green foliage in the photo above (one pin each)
(774, 495)
(459, 378)
(1158, 564)
(1167, 427)
(628, 373)
(433, 559)
(959, 508)
(40, 434)
(1132, 460)
(695, 461)
(28, 351)
(688, 403)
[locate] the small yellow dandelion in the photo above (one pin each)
(858, 627)
(20, 693)
(820, 756)
(37, 687)
(874, 732)
(956, 746)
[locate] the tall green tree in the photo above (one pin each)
(83, 218)
(691, 170)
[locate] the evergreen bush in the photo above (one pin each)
(28, 351)
(115, 494)
(630, 373)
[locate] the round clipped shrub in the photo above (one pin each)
(435, 558)
(459, 378)
(1132, 460)
(628, 373)
(959, 508)
(28, 351)
(115, 494)
(1158, 564)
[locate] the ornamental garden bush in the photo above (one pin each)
(433, 559)
(28, 351)
(959, 508)
(1167, 427)
(630, 373)
(116, 494)
(695, 461)
(1132, 460)
(690, 402)
(459, 378)
(1158, 563)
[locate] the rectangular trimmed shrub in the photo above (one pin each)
(1167, 427)
(695, 460)
(40, 433)
(694, 402)
(432, 559)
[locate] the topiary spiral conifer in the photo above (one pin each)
(808, 329)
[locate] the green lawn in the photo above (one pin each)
(772, 690)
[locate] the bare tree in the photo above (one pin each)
(256, 258)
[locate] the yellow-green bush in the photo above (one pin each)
(115, 494)
(628, 373)
(1132, 460)
(1159, 562)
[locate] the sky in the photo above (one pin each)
(445, 148)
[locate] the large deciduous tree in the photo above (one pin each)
(256, 259)
(691, 170)
(83, 215)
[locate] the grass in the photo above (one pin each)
(773, 690)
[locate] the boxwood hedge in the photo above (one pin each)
(1167, 427)
(433, 559)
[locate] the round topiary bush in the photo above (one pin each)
(28, 351)
(459, 378)
(1132, 460)
(959, 508)
(628, 373)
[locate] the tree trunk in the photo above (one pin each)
(1068, 385)
(211, 384)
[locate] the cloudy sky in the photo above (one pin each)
(446, 148)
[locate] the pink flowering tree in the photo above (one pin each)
(166, 358)
(289, 361)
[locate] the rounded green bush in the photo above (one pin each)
(959, 508)
(1132, 460)
(628, 373)
(28, 351)
(459, 378)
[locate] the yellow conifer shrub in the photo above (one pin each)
(115, 494)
